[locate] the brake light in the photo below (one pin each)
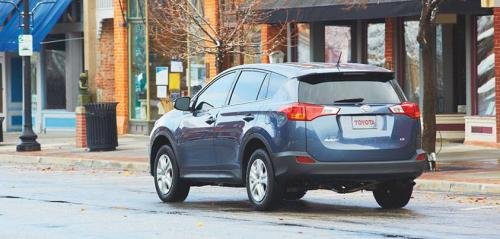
(421, 157)
(409, 109)
(307, 112)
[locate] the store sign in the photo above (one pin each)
(490, 3)
(176, 66)
(161, 75)
(25, 45)
(161, 91)
(175, 82)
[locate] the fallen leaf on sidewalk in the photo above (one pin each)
(46, 169)
(200, 224)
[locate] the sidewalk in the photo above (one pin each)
(461, 168)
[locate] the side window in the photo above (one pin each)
(275, 82)
(247, 87)
(215, 95)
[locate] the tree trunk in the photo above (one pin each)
(429, 106)
(219, 62)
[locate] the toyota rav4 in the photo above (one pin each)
(283, 129)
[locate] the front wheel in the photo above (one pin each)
(169, 186)
(393, 195)
(263, 190)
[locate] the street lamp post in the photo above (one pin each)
(28, 137)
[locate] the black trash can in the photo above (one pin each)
(101, 126)
(1, 128)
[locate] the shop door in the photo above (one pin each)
(15, 94)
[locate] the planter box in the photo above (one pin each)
(480, 130)
(450, 126)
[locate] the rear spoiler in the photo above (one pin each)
(315, 78)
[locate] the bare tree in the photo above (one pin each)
(425, 38)
(179, 29)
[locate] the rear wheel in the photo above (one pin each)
(262, 189)
(291, 196)
(169, 186)
(393, 195)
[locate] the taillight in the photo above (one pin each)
(307, 112)
(409, 109)
(421, 157)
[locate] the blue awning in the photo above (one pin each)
(44, 18)
(5, 10)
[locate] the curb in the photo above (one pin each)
(73, 162)
(421, 184)
(456, 187)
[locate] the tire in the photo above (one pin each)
(292, 196)
(178, 189)
(259, 168)
(393, 195)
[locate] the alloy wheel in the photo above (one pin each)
(164, 174)
(258, 180)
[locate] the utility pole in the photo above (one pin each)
(28, 137)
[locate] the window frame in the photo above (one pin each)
(195, 101)
(267, 75)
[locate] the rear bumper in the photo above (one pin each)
(287, 170)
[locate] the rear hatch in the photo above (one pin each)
(360, 117)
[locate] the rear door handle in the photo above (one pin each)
(210, 120)
(248, 117)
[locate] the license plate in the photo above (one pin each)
(364, 122)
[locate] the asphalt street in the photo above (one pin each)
(50, 203)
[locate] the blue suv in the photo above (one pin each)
(283, 129)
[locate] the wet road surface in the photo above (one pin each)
(47, 203)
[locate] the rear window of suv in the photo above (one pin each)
(330, 89)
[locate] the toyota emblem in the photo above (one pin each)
(366, 108)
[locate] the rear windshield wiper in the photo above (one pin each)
(352, 100)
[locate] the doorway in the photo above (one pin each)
(14, 93)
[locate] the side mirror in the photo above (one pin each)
(182, 103)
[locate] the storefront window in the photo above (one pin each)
(138, 71)
(412, 62)
(376, 44)
(136, 8)
(440, 80)
(54, 66)
(337, 44)
(197, 74)
(485, 66)
(304, 43)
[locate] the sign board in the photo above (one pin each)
(176, 66)
(161, 75)
(25, 45)
(161, 91)
(490, 3)
(175, 81)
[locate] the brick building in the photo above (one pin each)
(381, 33)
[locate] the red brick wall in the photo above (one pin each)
(389, 46)
(81, 128)
(120, 53)
(496, 12)
(105, 74)
(211, 9)
(273, 38)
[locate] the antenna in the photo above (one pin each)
(338, 61)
